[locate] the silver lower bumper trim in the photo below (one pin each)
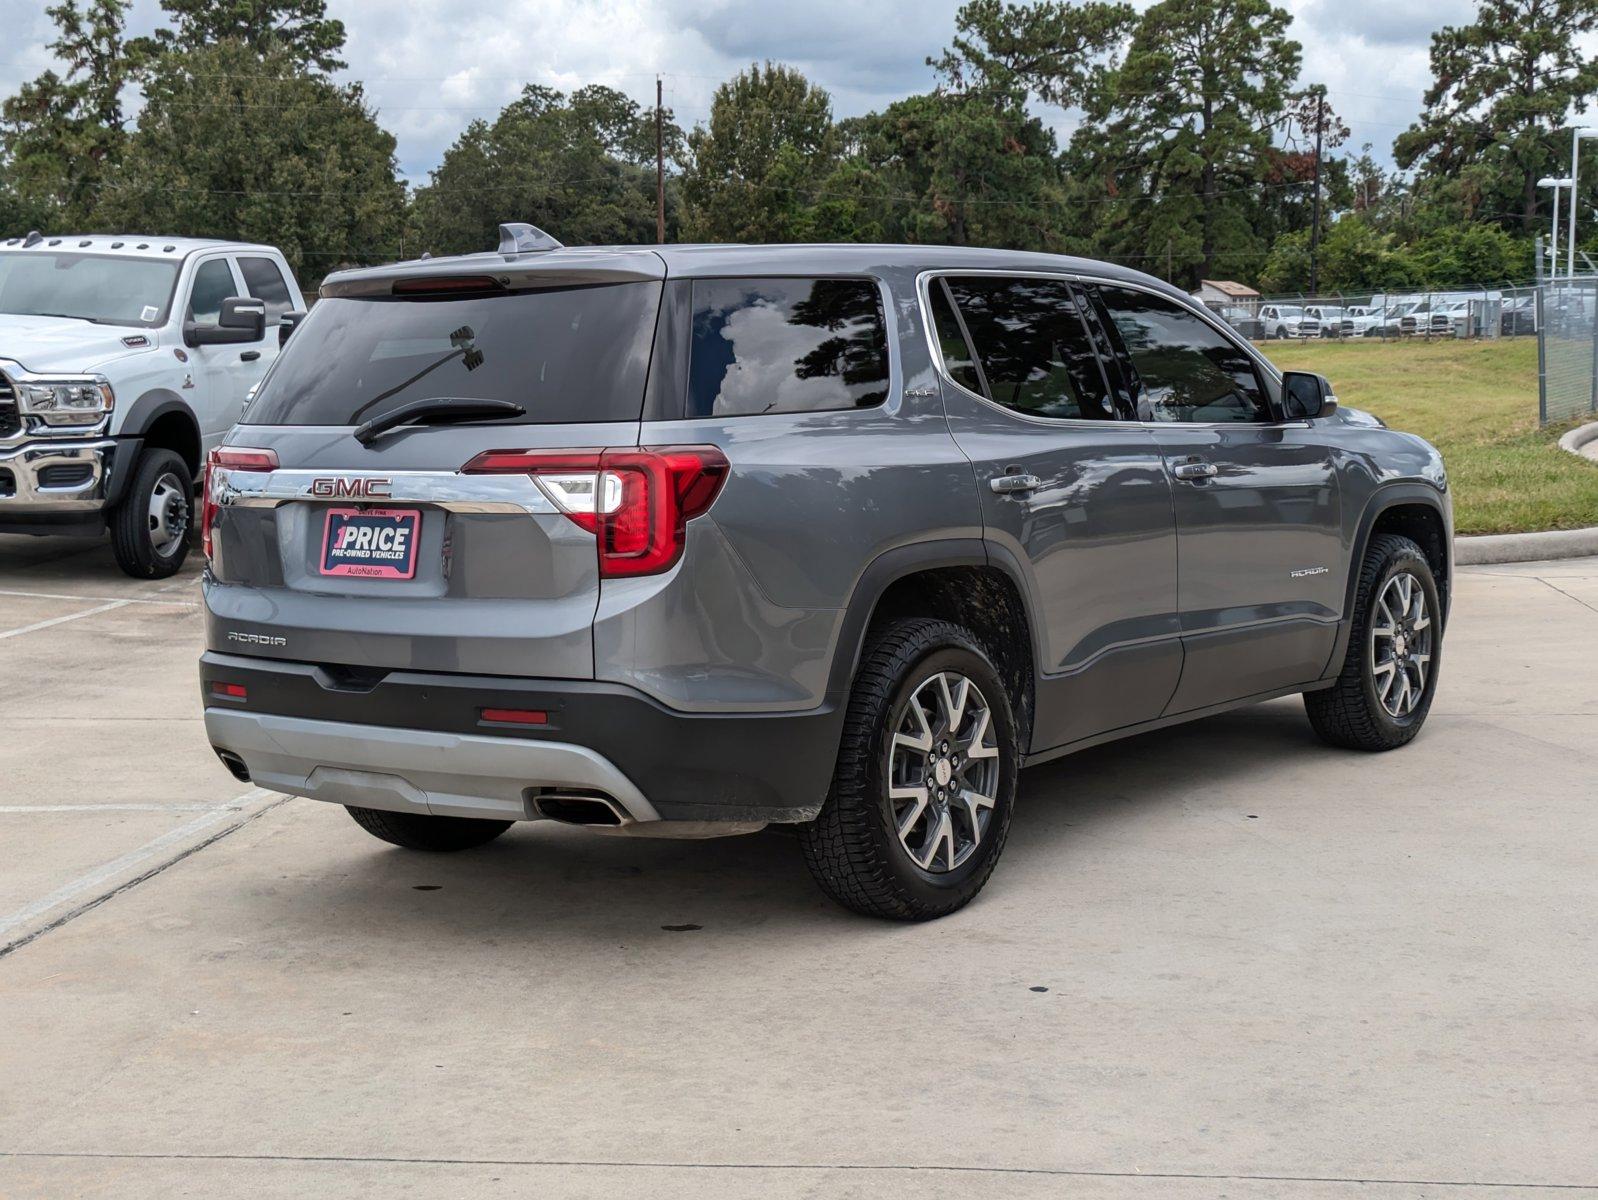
(413, 770)
(24, 490)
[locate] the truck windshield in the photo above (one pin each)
(87, 287)
(569, 354)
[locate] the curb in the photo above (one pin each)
(1526, 547)
(1578, 439)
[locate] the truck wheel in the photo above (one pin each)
(1382, 696)
(418, 831)
(150, 528)
(925, 783)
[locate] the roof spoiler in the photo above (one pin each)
(522, 238)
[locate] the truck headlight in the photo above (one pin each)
(67, 401)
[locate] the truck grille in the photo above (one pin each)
(10, 418)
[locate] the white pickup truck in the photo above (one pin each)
(123, 359)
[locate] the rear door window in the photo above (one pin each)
(1183, 368)
(566, 355)
(784, 345)
(264, 281)
(1035, 353)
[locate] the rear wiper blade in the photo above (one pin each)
(441, 410)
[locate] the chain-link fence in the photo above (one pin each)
(1567, 349)
(1426, 315)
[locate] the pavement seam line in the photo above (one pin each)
(108, 871)
(70, 596)
(952, 1168)
(1562, 592)
(89, 612)
(232, 806)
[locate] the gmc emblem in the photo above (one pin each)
(352, 489)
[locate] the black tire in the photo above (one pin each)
(1350, 713)
(417, 831)
(133, 539)
(1281, 333)
(853, 848)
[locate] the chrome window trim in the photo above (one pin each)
(923, 298)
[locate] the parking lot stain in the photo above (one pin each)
(1037, 989)
(681, 928)
(426, 887)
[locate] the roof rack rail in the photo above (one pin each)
(519, 237)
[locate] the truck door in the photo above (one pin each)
(264, 280)
(218, 376)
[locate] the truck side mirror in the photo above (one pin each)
(1306, 395)
(287, 324)
(242, 319)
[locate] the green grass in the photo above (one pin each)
(1477, 403)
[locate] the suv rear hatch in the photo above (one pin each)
(408, 549)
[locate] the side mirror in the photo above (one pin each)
(1306, 395)
(287, 324)
(243, 319)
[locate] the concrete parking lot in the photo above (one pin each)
(1220, 960)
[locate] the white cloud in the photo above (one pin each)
(431, 68)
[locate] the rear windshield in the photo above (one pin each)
(565, 355)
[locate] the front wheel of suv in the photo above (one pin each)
(150, 528)
(419, 831)
(926, 776)
(1389, 675)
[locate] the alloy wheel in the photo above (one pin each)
(943, 772)
(1401, 645)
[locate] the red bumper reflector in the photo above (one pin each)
(230, 691)
(515, 716)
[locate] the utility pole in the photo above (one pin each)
(1315, 219)
(660, 167)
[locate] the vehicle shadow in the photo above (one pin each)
(542, 884)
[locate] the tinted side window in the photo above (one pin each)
(1034, 349)
(264, 281)
(1185, 369)
(213, 283)
(951, 341)
(786, 345)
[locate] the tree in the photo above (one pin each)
(1059, 51)
(317, 178)
(582, 167)
(956, 168)
(300, 28)
(1499, 88)
(752, 170)
(1179, 137)
(63, 135)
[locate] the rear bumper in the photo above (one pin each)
(416, 740)
(413, 770)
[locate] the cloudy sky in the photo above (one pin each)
(430, 68)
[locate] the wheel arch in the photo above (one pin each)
(966, 580)
(1415, 510)
(164, 419)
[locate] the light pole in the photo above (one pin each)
(1575, 174)
(1548, 181)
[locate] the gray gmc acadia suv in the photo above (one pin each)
(685, 540)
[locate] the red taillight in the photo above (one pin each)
(635, 502)
(230, 691)
(231, 458)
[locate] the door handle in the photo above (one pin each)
(1009, 485)
(1195, 470)
(249, 356)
